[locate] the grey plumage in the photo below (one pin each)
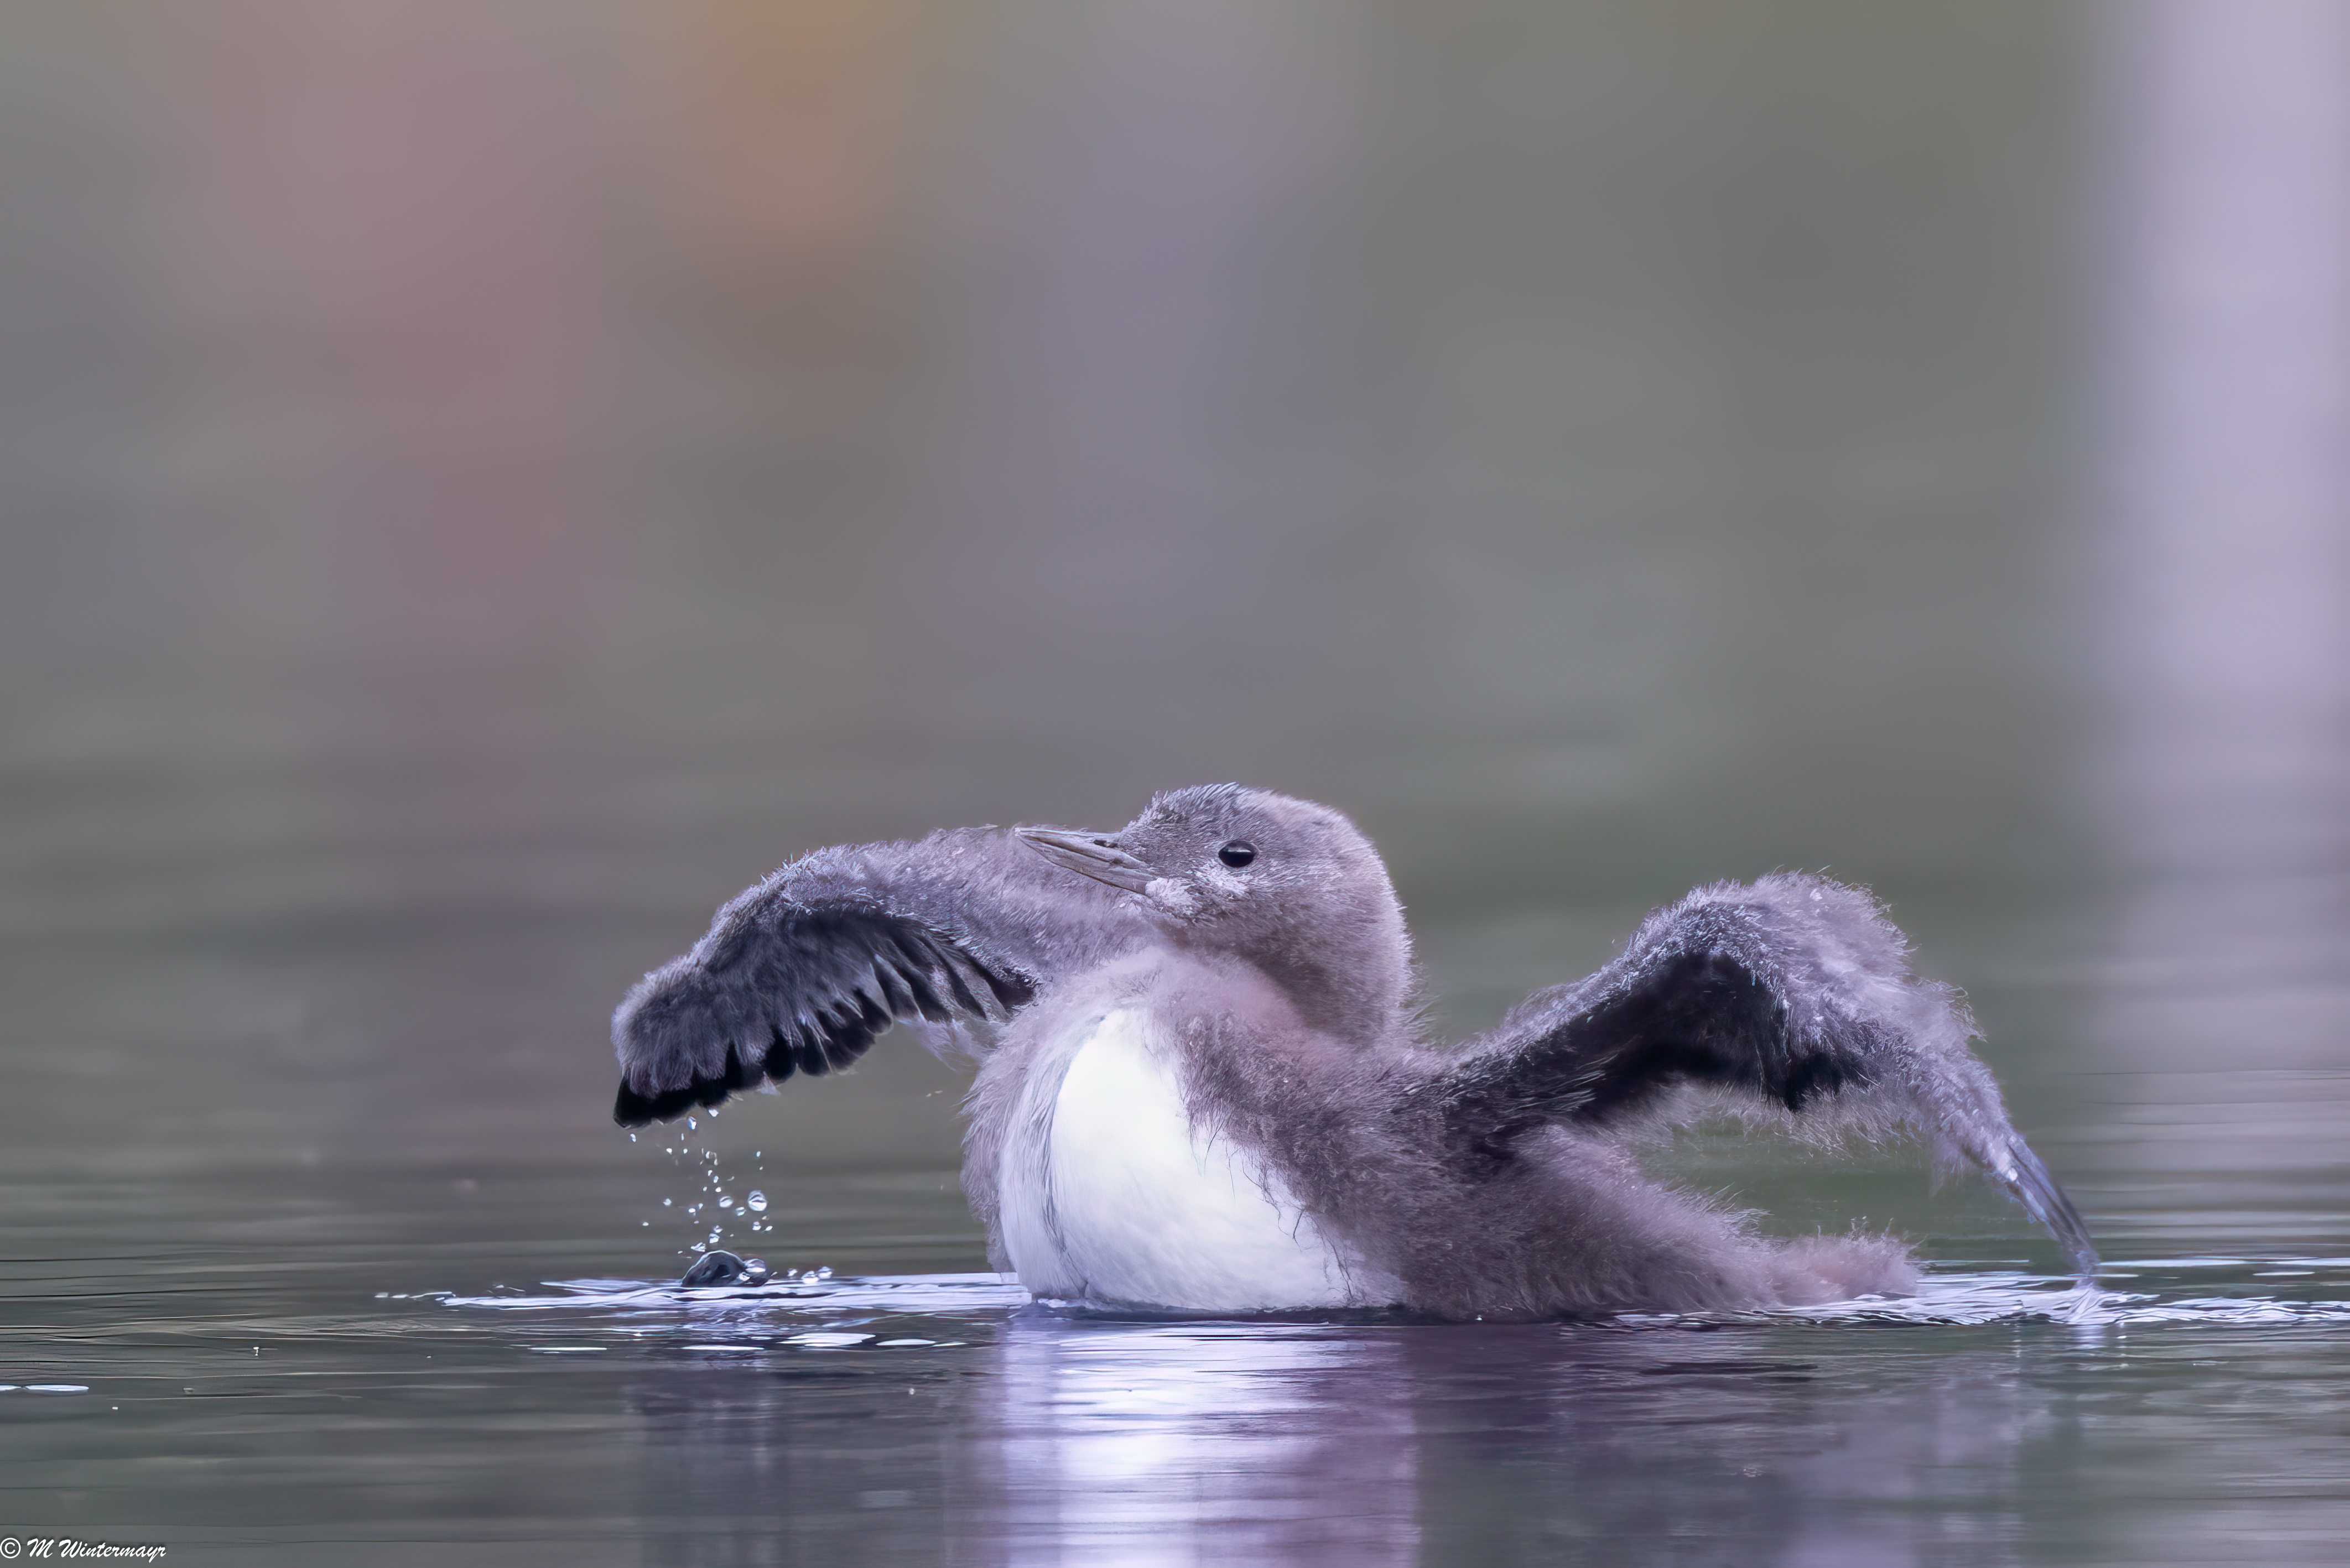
(800, 973)
(1250, 945)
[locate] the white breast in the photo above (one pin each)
(1122, 1200)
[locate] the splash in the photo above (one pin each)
(715, 1206)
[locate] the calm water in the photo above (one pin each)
(482, 484)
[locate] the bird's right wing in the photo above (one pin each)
(800, 973)
(1793, 992)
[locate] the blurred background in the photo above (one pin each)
(485, 482)
(481, 481)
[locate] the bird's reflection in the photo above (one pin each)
(1076, 1441)
(1179, 1443)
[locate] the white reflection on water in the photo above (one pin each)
(1178, 1444)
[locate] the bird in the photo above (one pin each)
(1204, 1084)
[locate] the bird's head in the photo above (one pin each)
(1292, 887)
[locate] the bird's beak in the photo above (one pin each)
(1088, 855)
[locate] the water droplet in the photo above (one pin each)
(690, 1123)
(667, 1201)
(725, 1201)
(632, 1137)
(824, 1271)
(758, 1201)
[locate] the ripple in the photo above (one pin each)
(1970, 1298)
(929, 1295)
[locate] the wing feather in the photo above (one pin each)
(802, 972)
(1793, 991)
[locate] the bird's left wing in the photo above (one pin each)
(800, 973)
(1793, 992)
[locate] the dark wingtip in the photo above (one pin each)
(632, 1109)
(2046, 1202)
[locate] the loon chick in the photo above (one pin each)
(1204, 1087)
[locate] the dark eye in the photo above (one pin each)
(1237, 854)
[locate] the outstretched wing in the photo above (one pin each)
(1795, 990)
(800, 973)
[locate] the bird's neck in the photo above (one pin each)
(1336, 1004)
(1352, 990)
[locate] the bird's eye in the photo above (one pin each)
(1237, 854)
